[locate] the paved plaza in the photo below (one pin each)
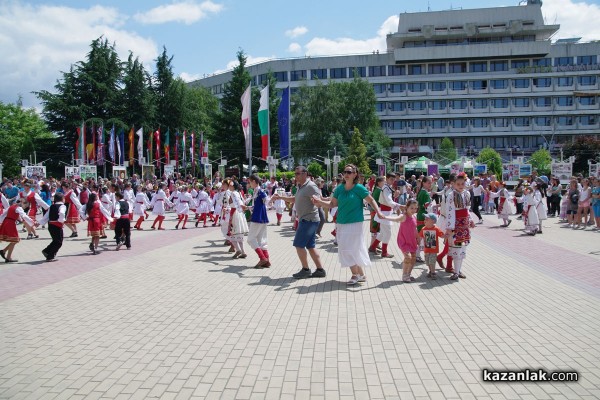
(177, 318)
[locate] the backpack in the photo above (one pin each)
(574, 197)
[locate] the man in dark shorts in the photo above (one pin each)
(308, 222)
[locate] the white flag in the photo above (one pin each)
(111, 144)
(246, 114)
(140, 146)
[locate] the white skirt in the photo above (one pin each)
(203, 207)
(352, 247)
(239, 224)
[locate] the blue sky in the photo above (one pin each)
(40, 38)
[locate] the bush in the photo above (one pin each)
(279, 175)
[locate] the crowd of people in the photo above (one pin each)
(435, 214)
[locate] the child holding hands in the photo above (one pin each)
(408, 238)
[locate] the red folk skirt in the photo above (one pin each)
(72, 215)
(9, 232)
(462, 234)
(95, 226)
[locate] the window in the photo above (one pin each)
(519, 63)
(496, 66)
(542, 62)
(379, 88)
(458, 123)
(437, 105)
(501, 122)
(479, 85)
(380, 106)
(437, 86)
(458, 104)
(479, 104)
(396, 70)
(521, 102)
(588, 120)
(521, 121)
(499, 83)
(564, 101)
(437, 69)
(479, 122)
(358, 71)
(338, 73)
(521, 83)
(542, 121)
(457, 68)
(587, 60)
(416, 69)
(589, 80)
(478, 66)
(377, 71)
(563, 81)
(564, 121)
(262, 79)
(560, 61)
(438, 123)
(320, 73)
(499, 103)
(397, 87)
(298, 75)
(397, 106)
(543, 101)
(417, 105)
(542, 82)
(458, 85)
(396, 125)
(587, 100)
(417, 87)
(417, 124)
(281, 76)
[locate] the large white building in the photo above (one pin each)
(484, 77)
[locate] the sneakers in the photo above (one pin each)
(462, 276)
(319, 273)
(237, 254)
(387, 255)
(119, 246)
(73, 235)
(480, 222)
(454, 277)
(432, 275)
(302, 274)
(362, 279)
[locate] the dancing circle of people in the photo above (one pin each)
(435, 223)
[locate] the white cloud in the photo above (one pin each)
(38, 42)
(250, 60)
(189, 77)
(324, 46)
(296, 32)
(294, 48)
(576, 19)
(188, 12)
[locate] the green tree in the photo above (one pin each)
(540, 161)
(492, 159)
(199, 109)
(357, 153)
(316, 169)
(227, 133)
(447, 152)
(137, 99)
(22, 131)
(584, 148)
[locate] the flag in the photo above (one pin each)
(167, 148)
(263, 121)
(100, 147)
(283, 116)
(157, 145)
(80, 144)
(131, 146)
(90, 147)
(177, 150)
(246, 123)
(205, 152)
(121, 146)
(192, 151)
(140, 146)
(111, 145)
(183, 149)
(149, 144)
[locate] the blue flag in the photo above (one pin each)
(121, 146)
(283, 115)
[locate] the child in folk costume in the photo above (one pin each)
(159, 203)
(408, 238)
(174, 197)
(539, 196)
(217, 204)
(33, 200)
(129, 197)
(388, 206)
(73, 206)
(183, 207)
(8, 229)
(4, 203)
(211, 202)
(140, 205)
(458, 224)
(257, 235)
(504, 204)
(238, 226)
(55, 218)
(204, 204)
(122, 222)
(374, 226)
(441, 223)
(279, 204)
(107, 203)
(530, 214)
(225, 213)
(194, 203)
(95, 214)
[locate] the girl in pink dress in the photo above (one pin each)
(408, 238)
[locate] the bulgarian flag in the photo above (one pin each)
(263, 121)
(167, 148)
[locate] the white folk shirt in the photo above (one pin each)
(107, 202)
(456, 201)
(62, 215)
(141, 204)
(183, 206)
(21, 213)
(129, 197)
(158, 203)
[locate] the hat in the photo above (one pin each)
(431, 216)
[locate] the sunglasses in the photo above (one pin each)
(346, 172)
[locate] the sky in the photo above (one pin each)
(39, 39)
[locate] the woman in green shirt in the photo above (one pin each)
(348, 198)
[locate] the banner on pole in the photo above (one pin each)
(119, 172)
(35, 172)
(72, 172)
(88, 171)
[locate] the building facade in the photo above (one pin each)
(483, 77)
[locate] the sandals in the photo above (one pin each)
(408, 279)
(353, 280)
(432, 275)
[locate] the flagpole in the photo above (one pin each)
(289, 122)
(249, 133)
(268, 123)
